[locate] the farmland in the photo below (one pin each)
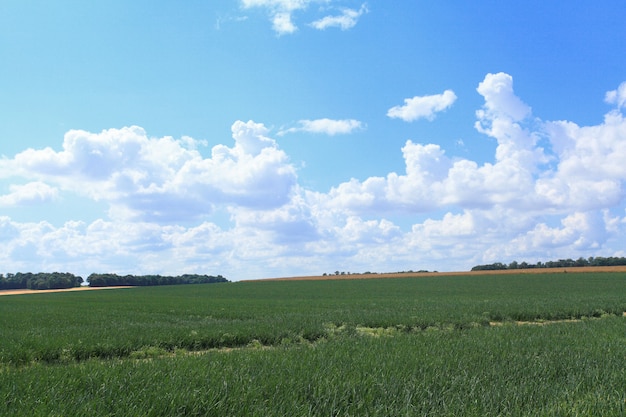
(437, 345)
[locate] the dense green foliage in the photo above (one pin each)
(39, 281)
(380, 347)
(112, 280)
(561, 263)
(60, 280)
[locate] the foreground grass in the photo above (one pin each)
(376, 347)
(562, 369)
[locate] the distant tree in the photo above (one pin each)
(40, 281)
(561, 263)
(490, 267)
(581, 262)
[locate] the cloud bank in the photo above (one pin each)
(160, 179)
(552, 189)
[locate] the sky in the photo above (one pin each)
(266, 138)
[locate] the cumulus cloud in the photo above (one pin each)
(325, 126)
(553, 189)
(28, 194)
(434, 181)
(590, 172)
(115, 246)
(500, 100)
(161, 178)
(618, 96)
(581, 169)
(422, 107)
(289, 224)
(346, 20)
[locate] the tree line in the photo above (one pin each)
(110, 280)
(62, 280)
(561, 263)
(39, 281)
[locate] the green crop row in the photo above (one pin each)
(67, 327)
(556, 370)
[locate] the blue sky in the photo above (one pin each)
(261, 138)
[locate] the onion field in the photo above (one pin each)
(495, 345)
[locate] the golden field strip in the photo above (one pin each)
(591, 269)
(21, 292)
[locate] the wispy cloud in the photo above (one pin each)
(221, 20)
(281, 13)
(422, 107)
(325, 126)
(346, 20)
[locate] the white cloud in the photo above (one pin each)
(553, 189)
(434, 181)
(325, 126)
(582, 169)
(590, 172)
(282, 24)
(617, 96)
(346, 20)
(163, 178)
(368, 231)
(281, 13)
(28, 194)
(422, 107)
(500, 100)
(580, 232)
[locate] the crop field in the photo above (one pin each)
(549, 344)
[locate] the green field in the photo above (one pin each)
(378, 347)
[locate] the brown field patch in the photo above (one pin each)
(621, 268)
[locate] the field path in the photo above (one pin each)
(21, 292)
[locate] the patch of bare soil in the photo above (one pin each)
(18, 292)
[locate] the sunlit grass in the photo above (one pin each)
(373, 347)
